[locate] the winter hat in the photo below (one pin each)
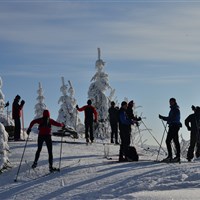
(123, 103)
(131, 102)
(112, 103)
(89, 102)
(18, 97)
(46, 113)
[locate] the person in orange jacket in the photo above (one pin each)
(44, 135)
(90, 117)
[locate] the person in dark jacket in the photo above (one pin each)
(124, 127)
(173, 121)
(44, 135)
(90, 117)
(114, 121)
(16, 115)
(192, 122)
(130, 114)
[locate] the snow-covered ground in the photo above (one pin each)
(95, 177)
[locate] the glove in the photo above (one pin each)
(160, 116)
(189, 128)
(22, 102)
(28, 131)
(139, 119)
(63, 128)
(77, 107)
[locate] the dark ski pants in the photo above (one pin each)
(173, 135)
(17, 131)
(125, 141)
(193, 143)
(114, 131)
(47, 139)
(89, 127)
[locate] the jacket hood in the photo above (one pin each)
(46, 113)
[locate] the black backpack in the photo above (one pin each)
(132, 154)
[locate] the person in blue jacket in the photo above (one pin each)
(125, 134)
(173, 121)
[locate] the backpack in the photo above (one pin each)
(132, 154)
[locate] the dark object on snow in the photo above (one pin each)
(132, 154)
(66, 132)
(10, 131)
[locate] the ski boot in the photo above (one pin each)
(176, 159)
(167, 160)
(53, 169)
(34, 165)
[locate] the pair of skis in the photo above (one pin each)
(38, 175)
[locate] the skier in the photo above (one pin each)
(130, 114)
(173, 121)
(44, 135)
(192, 122)
(124, 127)
(114, 121)
(16, 115)
(90, 116)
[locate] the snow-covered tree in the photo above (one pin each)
(2, 97)
(4, 148)
(67, 113)
(5, 115)
(98, 94)
(40, 106)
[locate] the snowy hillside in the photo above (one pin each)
(86, 174)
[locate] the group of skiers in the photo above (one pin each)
(120, 119)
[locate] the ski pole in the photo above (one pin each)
(15, 180)
(23, 123)
(61, 150)
(165, 125)
(152, 135)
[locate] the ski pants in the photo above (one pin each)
(114, 131)
(193, 143)
(47, 139)
(173, 135)
(17, 131)
(125, 140)
(89, 127)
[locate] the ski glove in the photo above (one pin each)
(77, 107)
(63, 128)
(22, 102)
(28, 131)
(160, 116)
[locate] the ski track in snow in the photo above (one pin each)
(95, 177)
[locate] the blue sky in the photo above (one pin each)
(151, 50)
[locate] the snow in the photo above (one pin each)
(95, 177)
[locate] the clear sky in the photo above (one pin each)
(151, 50)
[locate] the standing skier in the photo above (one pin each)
(16, 115)
(90, 117)
(173, 120)
(44, 135)
(114, 120)
(130, 114)
(124, 127)
(192, 122)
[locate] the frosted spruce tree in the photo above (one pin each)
(40, 106)
(5, 121)
(4, 149)
(67, 113)
(5, 114)
(98, 91)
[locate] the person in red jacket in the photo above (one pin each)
(44, 135)
(16, 115)
(90, 117)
